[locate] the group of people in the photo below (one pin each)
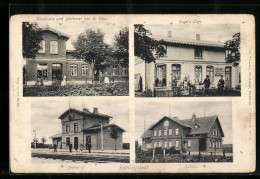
(221, 84)
(88, 146)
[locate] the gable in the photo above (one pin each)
(216, 125)
(171, 120)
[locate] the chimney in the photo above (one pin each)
(197, 36)
(193, 117)
(95, 110)
(85, 109)
(169, 33)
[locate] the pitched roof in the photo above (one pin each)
(60, 34)
(83, 113)
(56, 136)
(180, 122)
(98, 127)
(193, 42)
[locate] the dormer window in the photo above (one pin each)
(53, 47)
(198, 53)
(197, 126)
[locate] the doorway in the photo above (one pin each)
(56, 73)
(75, 142)
(228, 76)
(88, 141)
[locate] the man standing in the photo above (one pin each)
(221, 84)
(206, 84)
(55, 148)
(70, 147)
(89, 147)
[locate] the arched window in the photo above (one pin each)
(67, 128)
(76, 127)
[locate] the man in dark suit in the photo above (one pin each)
(206, 84)
(221, 84)
(70, 147)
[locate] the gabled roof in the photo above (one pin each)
(192, 42)
(83, 113)
(180, 122)
(56, 136)
(60, 34)
(98, 127)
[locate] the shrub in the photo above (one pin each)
(172, 150)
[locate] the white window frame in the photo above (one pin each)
(165, 144)
(170, 144)
(176, 144)
(54, 47)
(177, 132)
(216, 133)
(84, 70)
(213, 132)
(189, 143)
(73, 70)
(160, 144)
(170, 131)
(210, 144)
(154, 144)
(165, 132)
(42, 50)
(160, 133)
(195, 54)
(155, 133)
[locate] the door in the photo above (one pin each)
(176, 74)
(88, 140)
(56, 73)
(75, 142)
(202, 144)
(228, 77)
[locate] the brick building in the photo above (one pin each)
(196, 134)
(82, 127)
(191, 58)
(53, 61)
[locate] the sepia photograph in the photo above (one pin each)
(184, 132)
(75, 59)
(187, 60)
(87, 132)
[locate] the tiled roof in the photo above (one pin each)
(56, 136)
(193, 42)
(83, 113)
(55, 31)
(98, 127)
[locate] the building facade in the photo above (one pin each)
(193, 59)
(53, 61)
(83, 127)
(202, 134)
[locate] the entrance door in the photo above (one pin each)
(228, 76)
(88, 140)
(75, 142)
(202, 144)
(56, 73)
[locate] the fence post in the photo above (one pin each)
(164, 153)
(153, 154)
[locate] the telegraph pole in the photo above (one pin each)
(34, 138)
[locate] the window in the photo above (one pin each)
(189, 143)
(213, 144)
(53, 47)
(160, 144)
(160, 75)
(160, 132)
(177, 131)
(115, 69)
(213, 132)
(210, 72)
(219, 144)
(42, 71)
(67, 128)
(124, 70)
(176, 72)
(154, 144)
(216, 132)
(165, 132)
(198, 53)
(84, 70)
(170, 131)
(210, 144)
(155, 133)
(42, 50)
(67, 141)
(198, 74)
(170, 143)
(177, 144)
(76, 127)
(74, 70)
(165, 144)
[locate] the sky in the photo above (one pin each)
(147, 113)
(210, 32)
(73, 29)
(45, 115)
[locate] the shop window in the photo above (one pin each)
(170, 131)
(67, 141)
(165, 132)
(67, 128)
(84, 70)
(42, 50)
(165, 144)
(176, 72)
(42, 71)
(210, 72)
(177, 144)
(170, 143)
(155, 133)
(160, 75)
(76, 127)
(198, 53)
(160, 132)
(177, 131)
(198, 74)
(53, 47)
(74, 70)
(189, 143)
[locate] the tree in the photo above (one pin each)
(31, 39)
(233, 50)
(43, 139)
(91, 47)
(145, 47)
(114, 131)
(121, 46)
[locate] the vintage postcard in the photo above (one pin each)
(132, 93)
